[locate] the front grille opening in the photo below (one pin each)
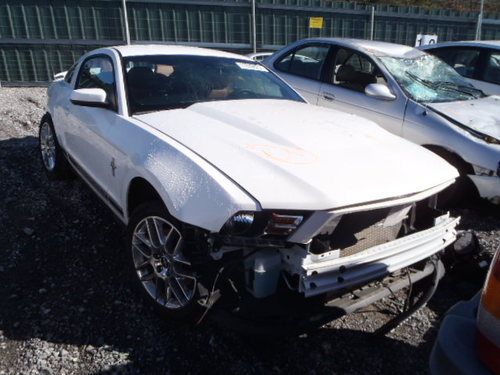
(359, 231)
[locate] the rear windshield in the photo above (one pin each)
(167, 82)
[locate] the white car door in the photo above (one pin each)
(302, 67)
(59, 93)
(346, 79)
(93, 136)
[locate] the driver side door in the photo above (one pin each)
(347, 74)
(94, 134)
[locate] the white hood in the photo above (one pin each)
(482, 115)
(291, 155)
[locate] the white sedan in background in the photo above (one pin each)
(408, 92)
(477, 61)
(232, 186)
(259, 56)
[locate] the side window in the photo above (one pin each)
(355, 71)
(98, 72)
(446, 54)
(492, 70)
(306, 62)
(463, 60)
(284, 64)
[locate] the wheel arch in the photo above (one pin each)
(463, 167)
(48, 116)
(140, 191)
(45, 116)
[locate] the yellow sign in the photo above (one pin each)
(315, 22)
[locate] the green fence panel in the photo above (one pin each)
(39, 38)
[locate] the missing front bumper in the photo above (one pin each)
(265, 318)
(320, 274)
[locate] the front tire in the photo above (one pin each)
(159, 266)
(53, 159)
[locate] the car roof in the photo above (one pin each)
(173, 49)
(369, 46)
(466, 43)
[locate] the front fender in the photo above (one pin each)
(425, 127)
(193, 190)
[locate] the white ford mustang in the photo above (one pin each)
(236, 193)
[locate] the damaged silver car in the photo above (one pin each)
(408, 92)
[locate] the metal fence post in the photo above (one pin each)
(372, 23)
(254, 28)
(125, 21)
(480, 21)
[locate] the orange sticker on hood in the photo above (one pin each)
(283, 154)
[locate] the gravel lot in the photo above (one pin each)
(66, 304)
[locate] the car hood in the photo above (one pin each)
(482, 115)
(291, 155)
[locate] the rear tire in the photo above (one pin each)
(160, 271)
(53, 159)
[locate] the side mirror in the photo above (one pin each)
(89, 98)
(379, 91)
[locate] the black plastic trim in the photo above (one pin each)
(91, 104)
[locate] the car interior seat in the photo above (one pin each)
(350, 78)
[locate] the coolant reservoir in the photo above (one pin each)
(262, 272)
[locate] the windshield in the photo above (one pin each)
(425, 78)
(167, 82)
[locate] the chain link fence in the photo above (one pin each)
(41, 38)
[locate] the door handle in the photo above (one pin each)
(328, 96)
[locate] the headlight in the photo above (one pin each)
(239, 223)
(492, 140)
(262, 223)
(281, 225)
(480, 171)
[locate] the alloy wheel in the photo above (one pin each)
(160, 265)
(48, 146)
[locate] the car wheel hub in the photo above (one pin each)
(48, 146)
(160, 264)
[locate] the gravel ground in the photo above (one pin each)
(67, 305)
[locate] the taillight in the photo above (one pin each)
(488, 318)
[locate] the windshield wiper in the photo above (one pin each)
(440, 85)
(469, 90)
(421, 80)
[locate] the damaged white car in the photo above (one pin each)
(240, 198)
